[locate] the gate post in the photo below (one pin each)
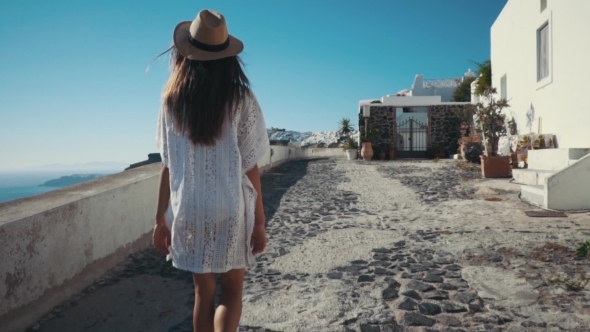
(428, 137)
(411, 135)
(394, 131)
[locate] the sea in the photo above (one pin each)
(16, 185)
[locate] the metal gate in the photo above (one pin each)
(412, 139)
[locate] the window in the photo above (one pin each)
(503, 88)
(543, 52)
(543, 5)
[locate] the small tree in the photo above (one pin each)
(490, 120)
(463, 91)
(484, 71)
(345, 127)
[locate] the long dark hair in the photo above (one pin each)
(202, 95)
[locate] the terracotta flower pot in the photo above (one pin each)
(391, 154)
(367, 151)
(382, 155)
(495, 167)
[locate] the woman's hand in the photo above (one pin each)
(258, 240)
(162, 238)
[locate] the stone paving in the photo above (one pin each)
(372, 247)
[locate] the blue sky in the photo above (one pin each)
(74, 87)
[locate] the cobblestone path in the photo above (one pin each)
(372, 247)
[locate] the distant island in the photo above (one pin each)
(70, 180)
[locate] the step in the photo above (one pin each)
(554, 159)
(534, 194)
(530, 176)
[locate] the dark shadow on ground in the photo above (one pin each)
(277, 181)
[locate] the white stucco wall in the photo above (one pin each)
(446, 94)
(569, 190)
(559, 100)
(55, 244)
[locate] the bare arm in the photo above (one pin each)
(163, 195)
(254, 176)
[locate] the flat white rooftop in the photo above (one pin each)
(409, 101)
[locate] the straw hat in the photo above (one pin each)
(206, 38)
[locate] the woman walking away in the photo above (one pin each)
(211, 134)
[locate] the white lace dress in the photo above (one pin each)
(212, 201)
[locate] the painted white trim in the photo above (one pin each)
(545, 19)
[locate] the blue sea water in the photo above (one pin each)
(12, 193)
(15, 185)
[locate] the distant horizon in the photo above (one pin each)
(77, 166)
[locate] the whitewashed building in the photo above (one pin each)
(539, 52)
(415, 120)
(443, 87)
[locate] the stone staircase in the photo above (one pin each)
(557, 179)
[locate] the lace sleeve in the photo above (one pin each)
(252, 136)
(162, 136)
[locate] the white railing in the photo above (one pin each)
(441, 83)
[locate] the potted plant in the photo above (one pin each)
(437, 151)
(350, 147)
(390, 150)
(376, 151)
(491, 123)
(383, 150)
(367, 150)
(465, 117)
(345, 128)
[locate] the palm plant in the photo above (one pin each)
(350, 144)
(345, 127)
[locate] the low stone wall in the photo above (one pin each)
(56, 244)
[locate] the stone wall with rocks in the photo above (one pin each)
(383, 119)
(445, 127)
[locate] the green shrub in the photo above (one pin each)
(584, 250)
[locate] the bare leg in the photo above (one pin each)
(229, 311)
(204, 311)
